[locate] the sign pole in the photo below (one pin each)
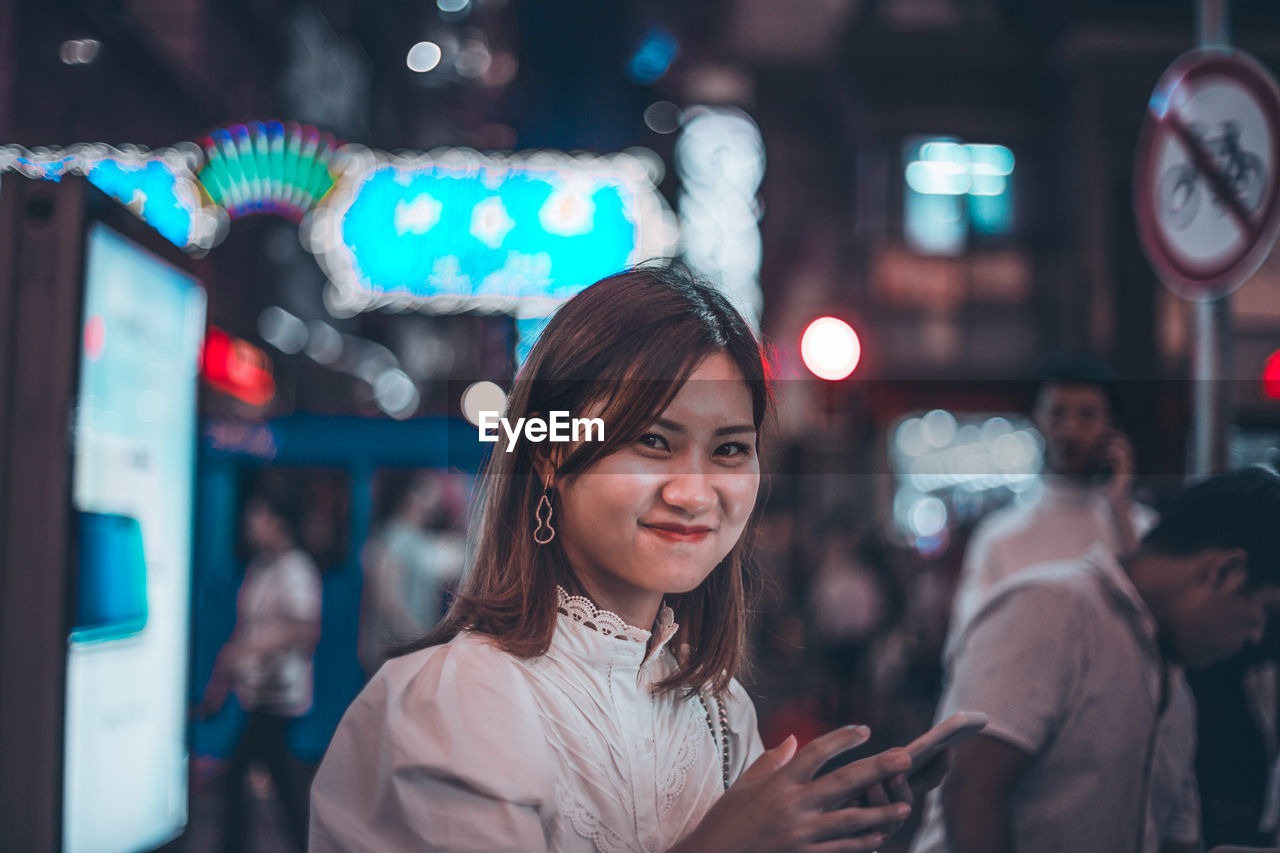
(1211, 327)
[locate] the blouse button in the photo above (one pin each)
(650, 841)
(648, 744)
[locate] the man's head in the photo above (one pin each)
(1075, 411)
(1216, 572)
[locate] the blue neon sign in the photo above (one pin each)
(485, 234)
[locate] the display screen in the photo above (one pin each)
(125, 779)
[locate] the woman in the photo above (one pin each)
(579, 695)
(267, 661)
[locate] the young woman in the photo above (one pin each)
(579, 695)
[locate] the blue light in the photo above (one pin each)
(657, 50)
(526, 232)
(528, 330)
(150, 190)
(952, 190)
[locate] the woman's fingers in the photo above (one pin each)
(770, 760)
(876, 795)
(855, 778)
(900, 789)
(850, 845)
(817, 751)
(856, 821)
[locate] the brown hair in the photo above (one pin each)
(625, 345)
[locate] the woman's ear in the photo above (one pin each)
(547, 459)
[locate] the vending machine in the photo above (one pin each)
(101, 326)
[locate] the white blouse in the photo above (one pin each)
(464, 747)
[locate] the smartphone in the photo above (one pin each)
(948, 733)
(952, 731)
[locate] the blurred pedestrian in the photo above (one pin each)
(267, 662)
(408, 564)
(849, 610)
(1087, 495)
(1071, 661)
(1086, 500)
(1238, 763)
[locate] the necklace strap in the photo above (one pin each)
(723, 740)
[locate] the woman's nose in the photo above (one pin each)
(694, 493)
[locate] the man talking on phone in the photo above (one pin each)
(1071, 663)
(1087, 499)
(1087, 489)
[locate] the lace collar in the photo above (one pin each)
(599, 632)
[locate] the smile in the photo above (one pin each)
(677, 532)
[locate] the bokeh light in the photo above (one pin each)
(423, 56)
(830, 348)
(482, 397)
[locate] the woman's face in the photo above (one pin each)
(658, 516)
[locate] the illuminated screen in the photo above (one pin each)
(125, 760)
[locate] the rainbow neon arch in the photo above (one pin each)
(267, 168)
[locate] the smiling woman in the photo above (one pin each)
(580, 693)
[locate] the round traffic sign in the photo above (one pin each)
(1205, 186)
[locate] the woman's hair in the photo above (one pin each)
(621, 349)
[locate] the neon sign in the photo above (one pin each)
(446, 231)
(158, 186)
(270, 167)
(236, 367)
(457, 230)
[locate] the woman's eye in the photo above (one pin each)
(734, 448)
(653, 440)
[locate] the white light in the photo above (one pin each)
(928, 517)
(452, 6)
(939, 427)
(993, 428)
(79, 51)
(933, 178)
(949, 168)
(830, 348)
(490, 222)
(423, 56)
(482, 397)
(325, 344)
(395, 393)
(910, 437)
(418, 216)
(473, 60)
(282, 330)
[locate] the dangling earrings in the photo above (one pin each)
(544, 532)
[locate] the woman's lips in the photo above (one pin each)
(678, 533)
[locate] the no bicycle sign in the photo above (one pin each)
(1205, 188)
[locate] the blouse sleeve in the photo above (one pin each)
(442, 750)
(745, 745)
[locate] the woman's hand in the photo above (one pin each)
(907, 789)
(777, 805)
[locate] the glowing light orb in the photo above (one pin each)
(830, 348)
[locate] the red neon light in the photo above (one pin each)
(236, 367)
(1271, 376)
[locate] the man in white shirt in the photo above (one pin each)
(1086, 499)
(1070, 661)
